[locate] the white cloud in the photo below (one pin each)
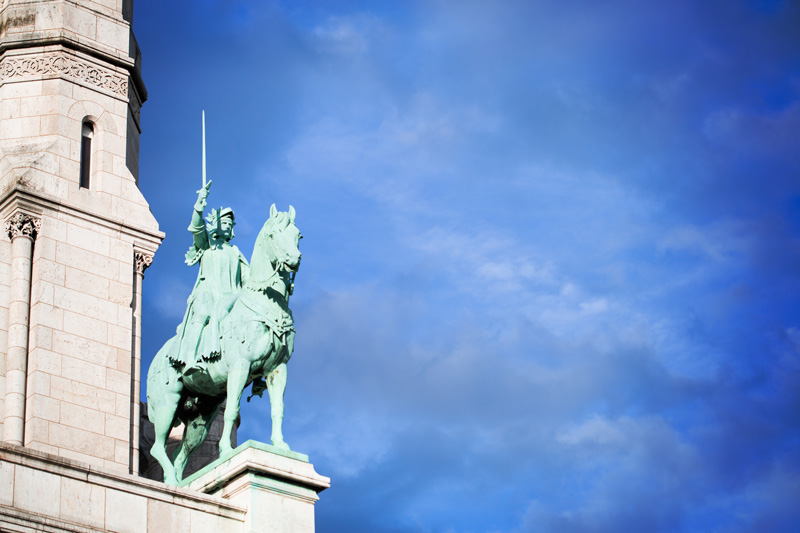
(514, 237)
(596, 430)
(349, 442)
(593, 307)
(720, 240)
(345, 35)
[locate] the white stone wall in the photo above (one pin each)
(78, 391)
(40, 137)
(95, 23)
(256, 489)
(79, 369)
(39, 490)
(5, 276)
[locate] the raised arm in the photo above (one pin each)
(198, 226)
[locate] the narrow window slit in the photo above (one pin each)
(87, 132)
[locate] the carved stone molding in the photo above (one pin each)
(141, 261)
(23, 224)
(64, 65)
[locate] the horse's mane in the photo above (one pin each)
(261, 270)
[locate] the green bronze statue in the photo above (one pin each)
(237, 330)
(223, 271)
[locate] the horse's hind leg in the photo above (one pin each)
(162, 405)
(276, 386)
(194, 435)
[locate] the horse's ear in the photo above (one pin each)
(273, 211)
(291, 214)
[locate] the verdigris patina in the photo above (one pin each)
(237, 330)
(223, 271)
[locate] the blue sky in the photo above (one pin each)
(551, 254)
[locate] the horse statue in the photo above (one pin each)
(257, 340)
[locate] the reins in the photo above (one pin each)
(277, 268)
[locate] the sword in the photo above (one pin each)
(204, 148)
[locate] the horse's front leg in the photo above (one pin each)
(237, 379)
(276, 386)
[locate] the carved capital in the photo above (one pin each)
(23, 224)
(141, 261)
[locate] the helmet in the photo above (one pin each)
(213, 218)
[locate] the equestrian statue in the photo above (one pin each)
(237, 330)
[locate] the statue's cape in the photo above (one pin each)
(194, 254)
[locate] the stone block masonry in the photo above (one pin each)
(70, 291)
(44, 492)
(256, 488)
(78, 390)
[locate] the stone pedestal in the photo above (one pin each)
(277, 488)
(43, 492)
(255, 488)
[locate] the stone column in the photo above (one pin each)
(141, 260)
(22, 229)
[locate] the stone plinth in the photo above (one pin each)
(43, 492)
(277, 488)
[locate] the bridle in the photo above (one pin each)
(278, 268)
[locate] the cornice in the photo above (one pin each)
(131, 61)
(146, 240)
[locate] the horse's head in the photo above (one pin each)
(285, 250)
(277, 247)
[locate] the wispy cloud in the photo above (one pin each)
(550, 254)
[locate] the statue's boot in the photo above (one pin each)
(190, 346)
(211, 342)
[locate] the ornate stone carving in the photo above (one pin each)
(23, 224)
(141, 261)
(62, 64)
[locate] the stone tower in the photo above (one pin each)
(77, 231)
(77, 236)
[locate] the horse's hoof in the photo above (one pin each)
(281, 445)
(225, 450)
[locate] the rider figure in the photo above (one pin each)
(223, 271)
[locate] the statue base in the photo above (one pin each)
(40, 491)
(255, 488)
(278, 488)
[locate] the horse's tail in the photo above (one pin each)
(157, 374)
